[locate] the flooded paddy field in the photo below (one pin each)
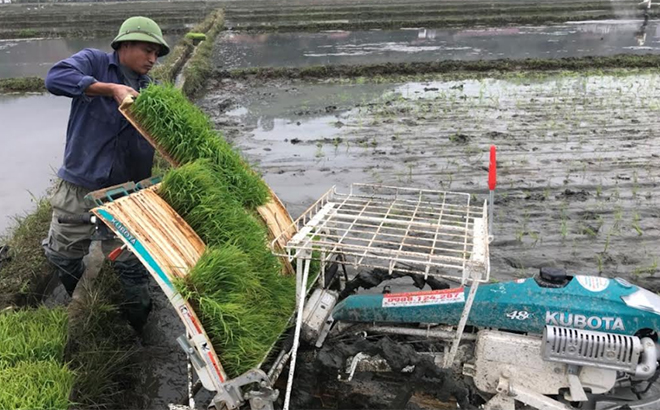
(299, 16)
(577, 155)
(578, 152)
(591, 38)
(31, 151)
(34, 57)
(96, 19)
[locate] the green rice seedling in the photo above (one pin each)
(34, 334)
(183, 131)
(237, 288)
(245, 310)
(35, 385)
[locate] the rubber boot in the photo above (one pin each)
(137, 298)
(68, 270)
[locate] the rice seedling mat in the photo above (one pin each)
(274, 214)
(168, 248)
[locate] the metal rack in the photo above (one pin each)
(400, 229)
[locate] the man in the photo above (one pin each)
(102, 150)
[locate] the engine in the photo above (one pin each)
(564, 361)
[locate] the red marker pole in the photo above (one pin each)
(492, 182)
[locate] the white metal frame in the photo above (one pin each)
(434, 233)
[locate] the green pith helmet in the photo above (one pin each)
(141, 29)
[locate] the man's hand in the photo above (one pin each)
(116, 91)
(122, 91)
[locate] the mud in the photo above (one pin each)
(320, 383)
(163, 375)
(577, 185)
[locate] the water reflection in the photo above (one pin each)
(33, 134)
(591, 38)
(33, 57)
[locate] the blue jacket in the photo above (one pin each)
(102, 148)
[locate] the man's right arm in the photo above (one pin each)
(74, 77)
(116, 91)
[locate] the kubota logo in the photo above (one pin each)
(583, 322)
(124, 232)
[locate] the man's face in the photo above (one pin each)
(139, 56)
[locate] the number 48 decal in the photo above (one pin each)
(519, 315)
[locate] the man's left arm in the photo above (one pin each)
(72, 76)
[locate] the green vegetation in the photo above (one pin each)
(36, 385)
(32, 370)
(38, 334)
(183, 131)
(22, 85)
(196, 36)
(24, 277)
(167, 71)
(27, 33)
(199, 68)
(237, 288)
(101, 347)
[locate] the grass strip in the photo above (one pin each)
(447, 66)
(22, 85)
(168, 69)
(35, 334)
(25, 275)
(32, 385)
(182, 130)
(199, 68)
(101, 347)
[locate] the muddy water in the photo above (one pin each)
(237, 50)
(33, 133)
(33, 57)
(577, 156)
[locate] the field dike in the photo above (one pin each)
(454, 68)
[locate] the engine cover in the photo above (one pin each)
(588, 348)
(519, 358)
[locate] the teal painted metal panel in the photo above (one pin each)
(585, 302)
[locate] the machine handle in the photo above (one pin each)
(77, 219)
(112, 256)
(492, 169)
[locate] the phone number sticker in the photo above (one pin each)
(434, 297)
